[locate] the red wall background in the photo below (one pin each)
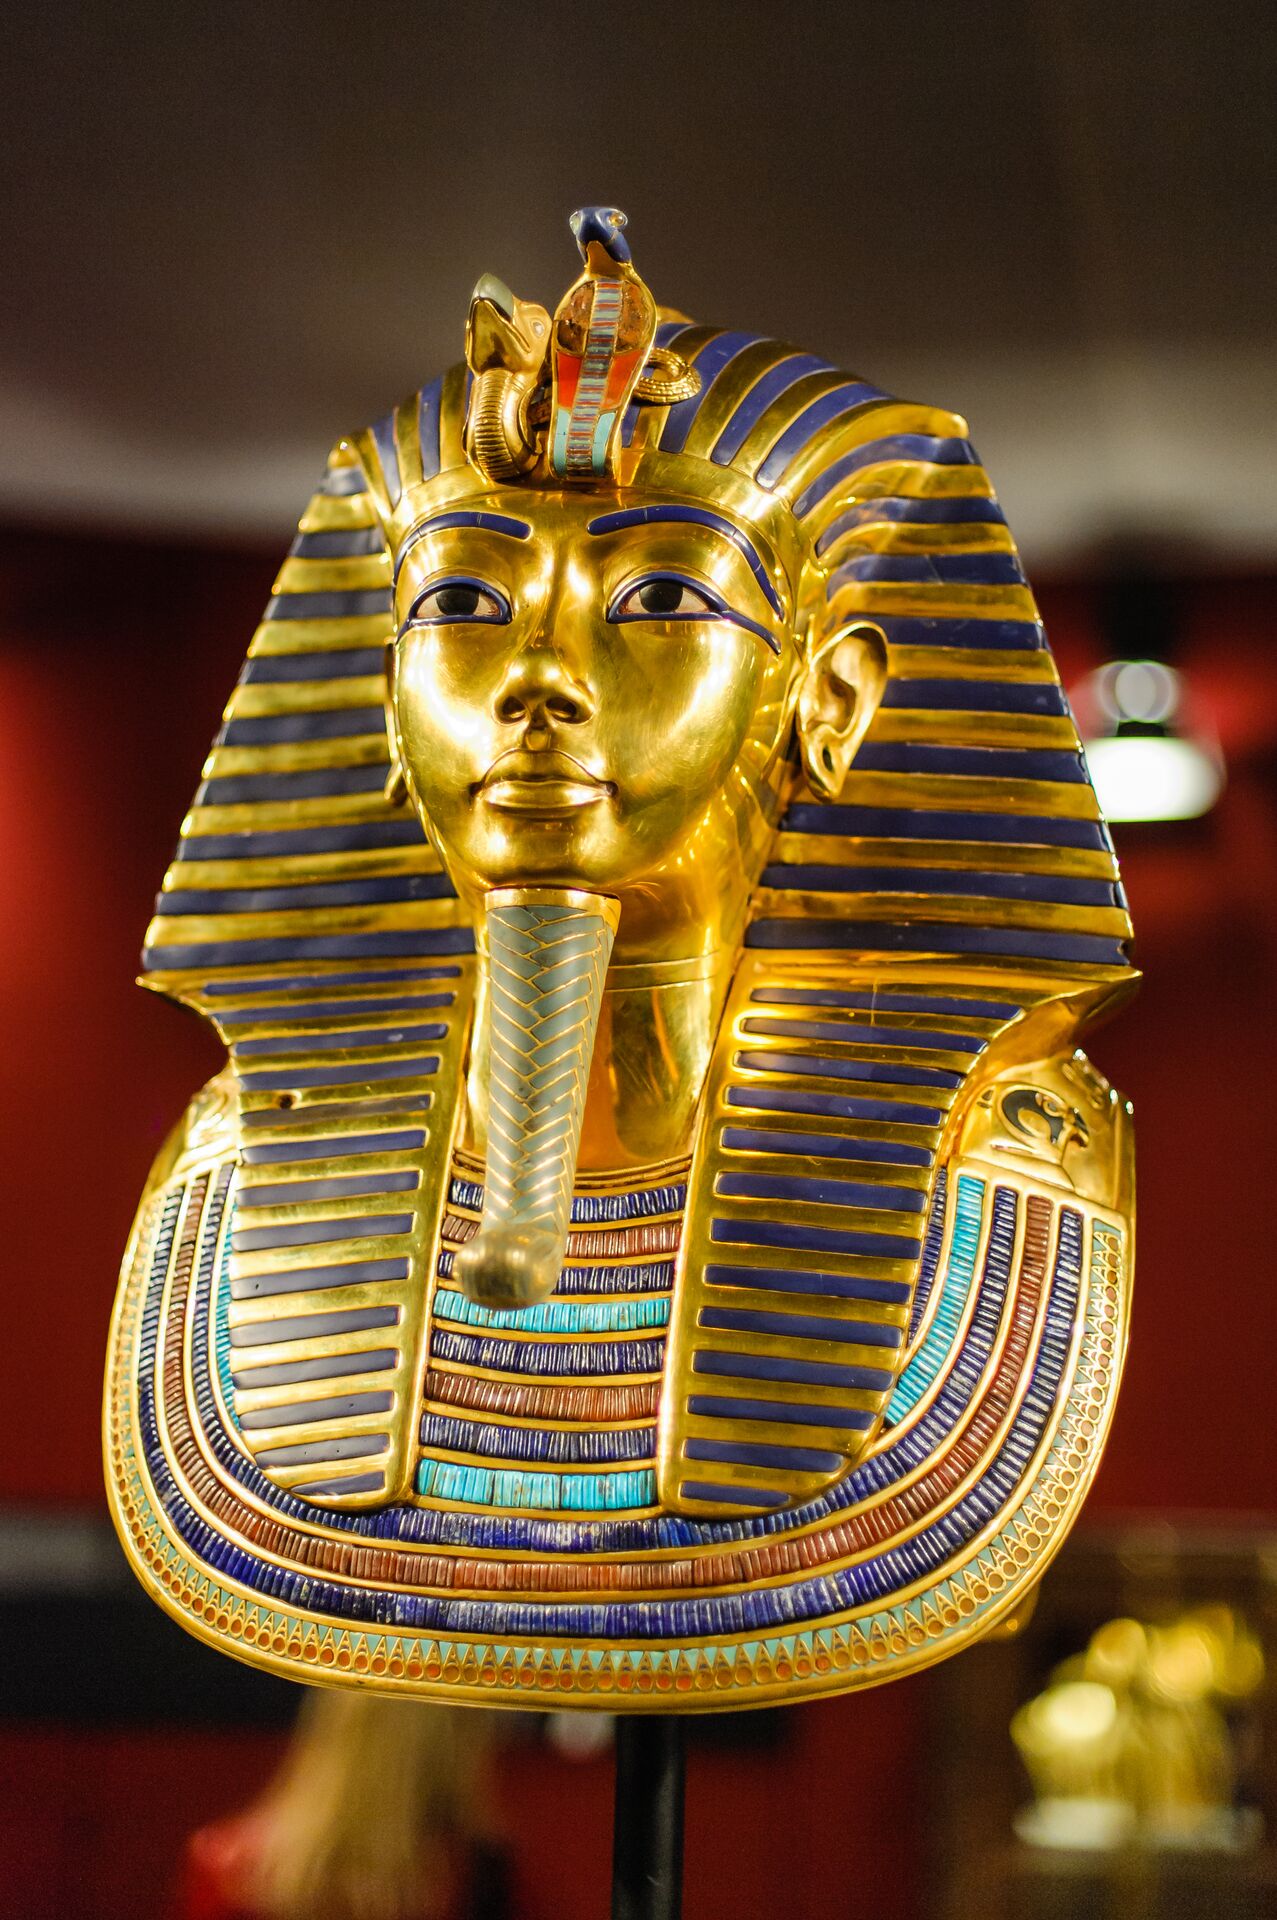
(115, 659)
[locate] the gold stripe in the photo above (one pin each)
(377, 864)
(321, 636)
(179, 930)
(408, 437)
(347, 574)
(737, 380)
(960, 909)
(852, 1046)
(944, 600)
(1018, 665)
(777, 418)
(333, 1167)
(964, 792)
(368, 456)
(263, 699)
(338, 513)
(452, 405)
(787, 1392)
(298, 756)
(298, 1392)
(896, 1224)
(925, 538)
(873, 421)
(276, 1261)
(851, 851)
(938, 725)
(800, 1126)
(357, 1425)
(326, 809)
(865, 1173)
(900, 480)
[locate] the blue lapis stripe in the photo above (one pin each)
(922, 936)
(873, 1000)
(931, 1245)
(892, 446)
(331, 893)
(833, 1286)
(348, 1145)
(327, 982)
(587, 1359)
(777, 380)
(833, 1106)
(352, 543)
(797, 1238)
(821, 1191)
(281, 729)
(960, 883)
(962, 510)
(709, 363)
(428, 404)
(343, 482)
(309, 1010)
(383, 434)
(893, 1073)
(865, 1033)
(592, 1209)
(237, 790)
(357, 946)
(933, 569)
(348, 663)
(985, 763)
(548, 1446)
(927, 823)
(800, 1326)
(976, 696)
(985, 635)
(355, 605)
(830, 1146)
(821, 415)
(363, 836)
(280, 1079)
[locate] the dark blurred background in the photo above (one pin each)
(229, 234)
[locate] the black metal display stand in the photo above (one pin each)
(647, 1825)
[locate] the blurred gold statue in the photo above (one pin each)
(1129, 1740)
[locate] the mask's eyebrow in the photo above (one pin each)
(695, 516)
(463, 517)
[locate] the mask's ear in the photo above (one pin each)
(838, 696)
(396, 789)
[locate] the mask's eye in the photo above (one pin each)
(665, 596)
(457, 602)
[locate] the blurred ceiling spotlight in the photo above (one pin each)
(1146, 762)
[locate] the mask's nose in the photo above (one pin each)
(540, 688)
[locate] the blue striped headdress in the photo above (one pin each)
(968, 825)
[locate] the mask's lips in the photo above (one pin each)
(544, 781)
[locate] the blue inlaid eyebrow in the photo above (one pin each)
(464, 517)
(694, 516)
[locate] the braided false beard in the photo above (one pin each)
(547, 955)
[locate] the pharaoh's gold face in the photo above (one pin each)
(588, 689)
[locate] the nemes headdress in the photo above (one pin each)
(812, 1411)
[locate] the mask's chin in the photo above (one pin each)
(546, 955)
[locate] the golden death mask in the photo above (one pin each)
(656, 1242)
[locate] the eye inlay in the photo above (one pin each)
(459, 601)
(672, 596)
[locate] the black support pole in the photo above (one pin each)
(647, 1827)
